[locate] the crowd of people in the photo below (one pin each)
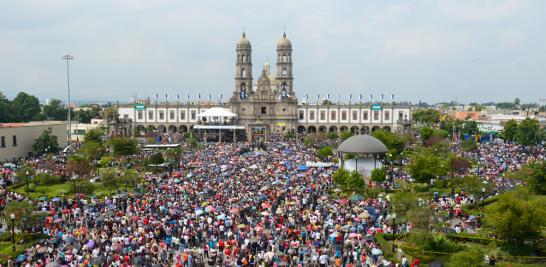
(232, 204)
(227, 205)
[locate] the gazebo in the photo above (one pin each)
(362, 145)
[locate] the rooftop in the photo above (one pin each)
(29, 124)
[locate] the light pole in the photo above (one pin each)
(67, 58)
(393, 216)
(12, 217)
(27, 173)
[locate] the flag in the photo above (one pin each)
(318, 96)
(392, 96)
(156, 95)
(328, 96)
(188, 96)
(339, 96)
(166, 96)
(177, 96)
(350, 96)
(221, 96)
(371, 96)
(199, 95)
(306, 96)
(360, 97)
(242, 95)
(381, 96)
(210, 96)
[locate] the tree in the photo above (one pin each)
(355, 182)
(156, 159)
(6, 109)
(25, 215)
(469, 145)
(345, 135)
(535, 176)
(308, 141)
(340, 177)
(94, 135)
(517, 101)
(108, 179)
(426, 116)
(325, 152)
(84, 115)
(528, 132)
(379, 175)
(110, 115)
(510, 130)
(332, 135)
(46, 142)
(55, 110)
(470, 127)
(426, 165)
(458, 164)
(26, 107)
(472, 256)
(123, 146)
(78, 165)
(517, 217)
(92, 149)
(394, 142)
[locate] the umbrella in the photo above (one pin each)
(241, 226)
(343, 201)
(264, 213)
(56, 199)
(364, 215)
(54, 264)
(221, 217)
(210, 208)
(233, 210)
(58, 220)
(337, 190)
(42, 250)
(42, 198)
(302, 168)
(356, 197)
(376, 251)
(353, 235)
(20, 258)
(199, 212)
(90, 244)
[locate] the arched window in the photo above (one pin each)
(242, 58)
(243, 72)
(283, 87)
(284, 58)
(238, 58)
(284, 72)
(243, 87)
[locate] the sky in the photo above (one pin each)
(433, 51)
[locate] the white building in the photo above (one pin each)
(16, 139)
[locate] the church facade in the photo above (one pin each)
(268, 105)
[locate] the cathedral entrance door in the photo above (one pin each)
(258, 134)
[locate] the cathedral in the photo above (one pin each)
(270, 105)
(257, 109)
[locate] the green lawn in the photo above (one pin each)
(59, 190)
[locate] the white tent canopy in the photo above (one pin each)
(216, 112)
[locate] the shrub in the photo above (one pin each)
(47, 179)
(82, 187)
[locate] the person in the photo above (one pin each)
(323, 260)
(415, 262)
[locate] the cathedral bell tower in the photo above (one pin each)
(284, 67)
(243, 69)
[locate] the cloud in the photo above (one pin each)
(479, 10)
(512, 37)
(418, 44)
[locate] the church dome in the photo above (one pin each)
(243, 42)
(284, 43)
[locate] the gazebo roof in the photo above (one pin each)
(363, 144)
(217, 112)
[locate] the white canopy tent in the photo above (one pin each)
(216, 114)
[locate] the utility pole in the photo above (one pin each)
(67, 58)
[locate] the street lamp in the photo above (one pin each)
(12, 217)
(27, 173)
(67, 58)
(393, 216)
